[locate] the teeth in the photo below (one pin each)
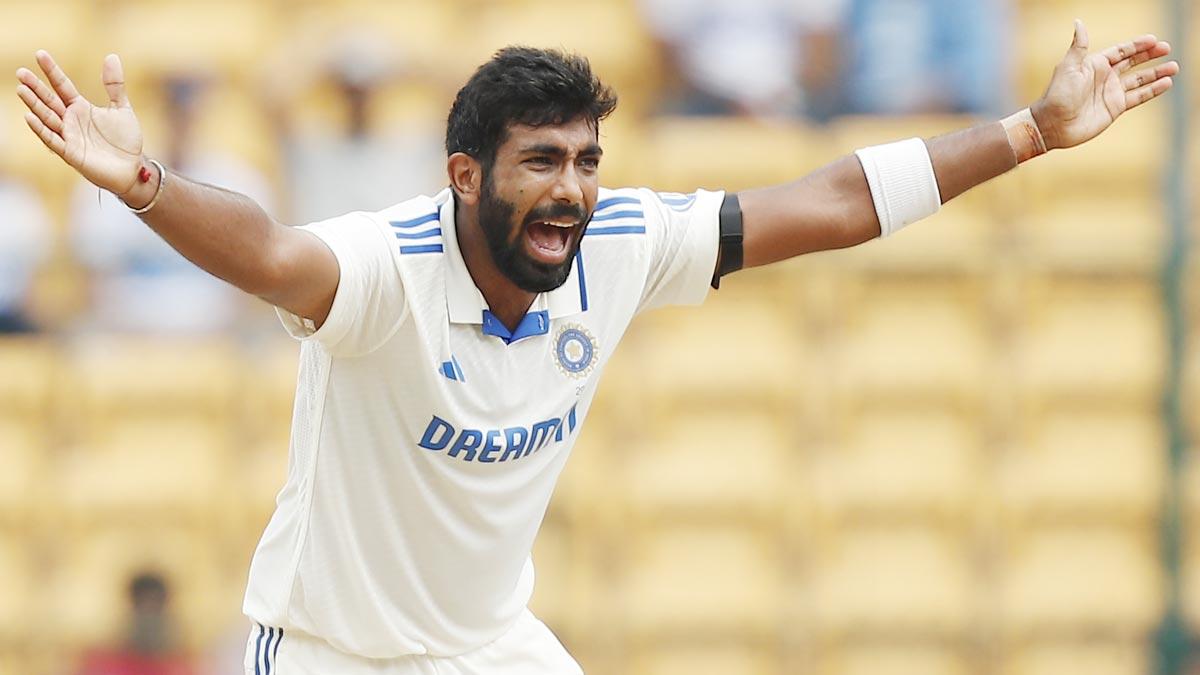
(562, 225)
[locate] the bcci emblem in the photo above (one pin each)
(575, 350)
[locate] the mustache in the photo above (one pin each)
(557, 211)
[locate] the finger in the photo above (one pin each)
(49, 138)
(1147, 92)
(1141, 77)
(44, 92)
(1117, 53)
(1079, 44)
(35, 105)
(1159, 50)
(58, 79)
(114, 81)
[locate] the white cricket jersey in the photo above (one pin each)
(427, 438)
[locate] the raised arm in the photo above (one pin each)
(225, 233)
(834, 206)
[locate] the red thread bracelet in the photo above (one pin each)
(143, 174)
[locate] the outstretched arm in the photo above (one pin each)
(225, 233)
(833, 207)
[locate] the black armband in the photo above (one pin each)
(729, 242)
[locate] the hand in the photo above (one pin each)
(103, 144)
(1088, 92)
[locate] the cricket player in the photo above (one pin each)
(452, 343)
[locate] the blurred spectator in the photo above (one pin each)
(357, 167)
(25, 241)
(928, 56)
(140, 284)
(149, 646)
(752, 57)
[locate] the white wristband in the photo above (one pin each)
(902, 183)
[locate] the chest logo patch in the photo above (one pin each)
(575, 350)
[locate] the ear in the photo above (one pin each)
(466, 177)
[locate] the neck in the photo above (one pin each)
(504, 298)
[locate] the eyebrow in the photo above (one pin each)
(558, 150)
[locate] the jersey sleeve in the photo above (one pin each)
(682, 233)
(369, 303)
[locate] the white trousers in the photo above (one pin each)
(528, 648)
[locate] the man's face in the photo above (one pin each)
(537, 199)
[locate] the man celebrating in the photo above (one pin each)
(452, 344)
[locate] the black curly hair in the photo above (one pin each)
(523, 85)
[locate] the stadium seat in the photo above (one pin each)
(570, 592)
(158, 36)
(910, 340)
(714, 463)
(892, 582)
(1090, 339)
(868, 658)
(146, 469)
(737, 348)
(701, 582)
(146, 377)
(1098, 657)
(610, 34)
(31, 371)
(705, 658)
(1123, 452)
(900, 465)
(92, 568)
(18, 578)
(269, 394)
(23, 449)
(1073, 583)
(686, 153)
(1079, 233)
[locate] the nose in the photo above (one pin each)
(568, 189)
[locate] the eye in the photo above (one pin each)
(539, 161)
(590, 163)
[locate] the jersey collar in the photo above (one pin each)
(466, 303)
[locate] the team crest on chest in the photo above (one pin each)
(575, 350)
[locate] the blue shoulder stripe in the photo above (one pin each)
(419, 220)
(617, 215)
(435, 232)
(424, 248)
(616, 229)
(613, 201)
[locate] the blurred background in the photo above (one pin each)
(962, 450)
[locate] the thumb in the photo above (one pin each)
(114, 81)
(1079, 46)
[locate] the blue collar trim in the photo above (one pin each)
(533, 323)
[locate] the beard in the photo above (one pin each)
(505, 240)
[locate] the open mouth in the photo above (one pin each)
(549, 239)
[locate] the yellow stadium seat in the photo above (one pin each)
(1096, 657)
(907, 341)
(867, 658)
(719, 462)
(1091, 339)
(269, 395)
(1071, 583)
(87, 593)
(31, 369)
(610, 34)
(1123, 452)
(962, 238)
(155, 37)
(703, 581)
(895, 581)
(153, 377)
(23, 451)
(899, 464)
(26, 26)
(686, 153)
(705, 658)
(736, 348)
(18, 578)
(1082, 233)
(146, 469)
(570, 589)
